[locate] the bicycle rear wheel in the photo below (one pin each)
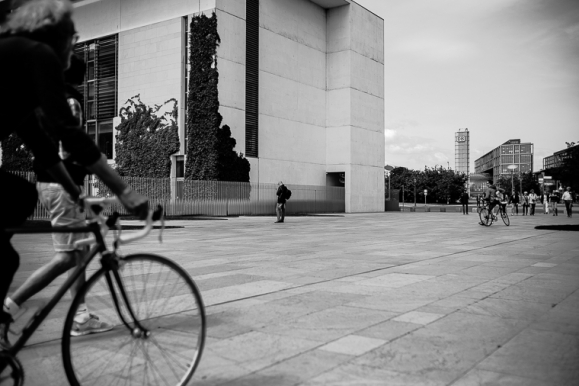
(485, 218)
(165, 302)
(505, 218)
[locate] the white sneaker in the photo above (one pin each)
(91, 325)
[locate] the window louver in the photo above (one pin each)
(252, 78)
(105, 76)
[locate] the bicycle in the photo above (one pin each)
(487, 218)
(154, 306)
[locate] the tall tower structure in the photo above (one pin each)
(462, 151)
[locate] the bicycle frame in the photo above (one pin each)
(99, 247)
(40, 315)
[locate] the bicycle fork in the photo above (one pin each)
(111, 264)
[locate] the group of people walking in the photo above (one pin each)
(528, 201)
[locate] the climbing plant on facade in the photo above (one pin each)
(210, 154)
(146, 139)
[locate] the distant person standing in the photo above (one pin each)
(282, 196)
(464, 202)
(568, 200)
(545, 201)
(515, 199)
(525, 201)
(532, 202)
(554, 199)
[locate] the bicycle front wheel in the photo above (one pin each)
(167, 305)
(505, 218)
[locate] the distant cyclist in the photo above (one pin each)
(490, 197)
(36, 43)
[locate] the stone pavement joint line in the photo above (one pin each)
(386, 299)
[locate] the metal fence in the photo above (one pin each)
(217, 198)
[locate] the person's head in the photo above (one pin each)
(568, 188)
(526, 193)
(46, 21)
(280, 183)
(532, 191)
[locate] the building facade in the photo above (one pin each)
(462, 151)
(301, 82)
(512, 152)
(557, 159)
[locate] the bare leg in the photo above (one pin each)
(43, 276)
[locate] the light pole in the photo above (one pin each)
(388, 169)
(415, 193)
(512, 169)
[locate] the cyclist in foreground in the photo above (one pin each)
(36, 45)
(63, 212)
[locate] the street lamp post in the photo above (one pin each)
(388, 169)
(512, 169)
(415, 193)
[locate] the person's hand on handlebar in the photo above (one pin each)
(135, 202)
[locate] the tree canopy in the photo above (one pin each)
(443, 185)
(527, 179)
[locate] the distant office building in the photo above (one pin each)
(462, 151)
(512, 152)
(557, 159)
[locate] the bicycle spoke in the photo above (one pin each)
(165, 303)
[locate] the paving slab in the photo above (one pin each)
(361, 299)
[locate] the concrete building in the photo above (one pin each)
(462, 151)
(556, 160)
(318, 114)
(512, 152)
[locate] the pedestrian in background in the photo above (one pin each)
(568, 200)
(525, 202)
(464, 202)
(532, 202)
(554, 199)
(515, 203)
(545, 201)
(281, 200)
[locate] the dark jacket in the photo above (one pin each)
(514, 199)
(281, 194)
(464, 198)
(76, 171)
(32, 81)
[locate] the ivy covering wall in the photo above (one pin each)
(146, 139)
(210, 154)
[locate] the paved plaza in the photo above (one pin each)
(365, 299)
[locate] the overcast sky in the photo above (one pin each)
(504, 69)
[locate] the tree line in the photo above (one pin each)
(443, 185)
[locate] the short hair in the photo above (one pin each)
(45, 21)
(280, 183)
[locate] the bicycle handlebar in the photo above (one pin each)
(95, 205)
